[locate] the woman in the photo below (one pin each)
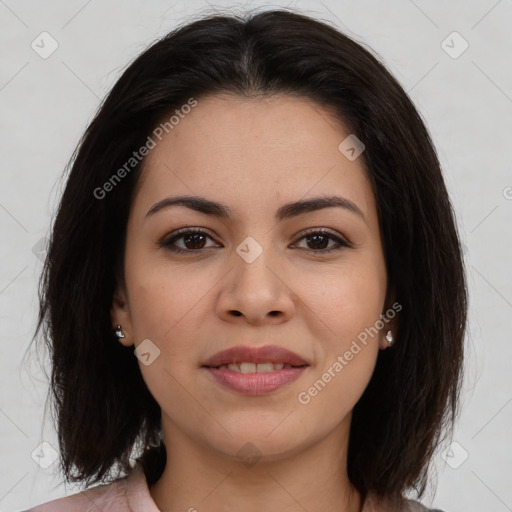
(254, 294)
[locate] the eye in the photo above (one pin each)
(318, 238)
(193, 240)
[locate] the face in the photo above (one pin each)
(308, 280)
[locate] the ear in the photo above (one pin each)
(391, 325)
(391, 322)
(120, 315)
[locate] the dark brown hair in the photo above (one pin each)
(104, 410)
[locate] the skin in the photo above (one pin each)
(253, 155)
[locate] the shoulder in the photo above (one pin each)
(118, 496)
(376, 504)
(416, 506)
(111, 497)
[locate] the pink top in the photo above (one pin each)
(128, 494)
(131, 494)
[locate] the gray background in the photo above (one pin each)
(466, 101)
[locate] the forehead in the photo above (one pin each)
(251, 152)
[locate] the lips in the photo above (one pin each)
(246, 354)
(255, 371)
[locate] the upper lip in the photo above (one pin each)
(247, 354)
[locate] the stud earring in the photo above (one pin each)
(118, 332)
(389, 337)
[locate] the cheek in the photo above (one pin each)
(335, 389)
(165, 305)
(346, 308)
(169, 304)
(163, 297)
(348, 302)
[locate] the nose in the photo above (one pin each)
(256, 292)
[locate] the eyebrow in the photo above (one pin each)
(289, 210)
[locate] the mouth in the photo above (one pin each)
(255, 370)
(248, 367)
(243, 357)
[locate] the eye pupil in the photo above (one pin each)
(195, 237)
(316, 237)
(195, 240)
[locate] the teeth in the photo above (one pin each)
(264, 367)
(248, 367)
(253, 367)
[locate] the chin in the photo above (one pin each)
(268, 441)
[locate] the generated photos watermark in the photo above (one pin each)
(143, 151)
(305, 397)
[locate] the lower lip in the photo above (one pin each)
(256, 383)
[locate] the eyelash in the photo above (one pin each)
(168, 243)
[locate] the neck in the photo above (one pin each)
(205, 480)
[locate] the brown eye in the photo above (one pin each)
(318, 241)
(194, 240)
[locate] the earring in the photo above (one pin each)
(389, 337)
(118, 332)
